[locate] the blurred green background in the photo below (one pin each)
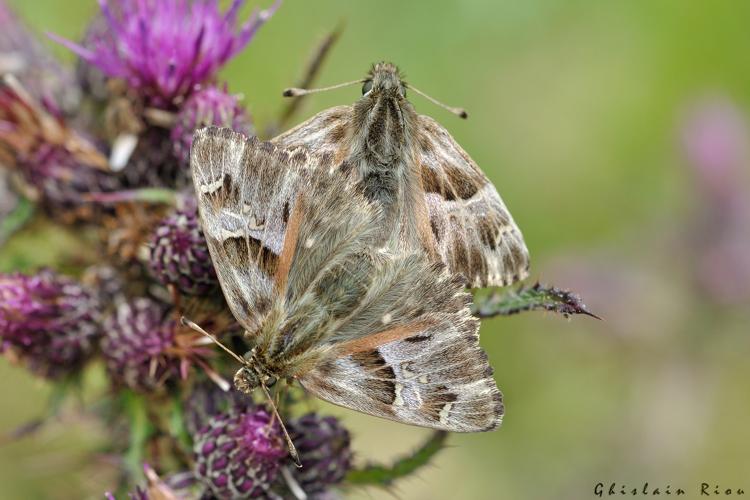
(577, 109)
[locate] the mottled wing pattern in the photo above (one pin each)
(324, 133)
(413, 353)
(474, 231)
(326, 264)
(245, 190)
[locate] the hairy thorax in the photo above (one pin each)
(379, 159)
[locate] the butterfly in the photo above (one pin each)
(367, 326)
(433, 195)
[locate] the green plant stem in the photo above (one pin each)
(529, 298)
(140, 432)
(385, 475)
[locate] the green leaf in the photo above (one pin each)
(385, 475)
(529, 298)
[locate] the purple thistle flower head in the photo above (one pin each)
(49, 321)
(207, 400)
(57, 163)
(714, 137)
(207, 106)
(164, 48)
(145, 348)
(179, 254)
(138, 336)
(239, 454)
(324, 446)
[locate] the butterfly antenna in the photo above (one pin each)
(295, 92)
(190, 324)
(289, 443)
(460, 112)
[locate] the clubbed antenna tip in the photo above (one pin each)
(295, 92)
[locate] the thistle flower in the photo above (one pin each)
(153, 163)
(164, 48)
(126, 231)
(207, 400)
(138, 336)
(108, 283)
(207, 106)
(48, 321)
(324, 447)
(239, 454)
(60, 183)
(145, 348)
(90, 78)
(179, 254)
(57, 163)
(716, 146)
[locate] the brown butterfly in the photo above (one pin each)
(432, 193)
(362, 324)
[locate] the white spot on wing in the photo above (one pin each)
(211, 187)
(444, 412)
(226, 234)
(253, 224)
(399, 400)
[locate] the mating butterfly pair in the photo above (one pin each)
(343, 247)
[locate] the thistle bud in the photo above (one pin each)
(239, 454)
(179, 254)
(49, 321)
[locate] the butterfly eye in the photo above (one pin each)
(367, 87)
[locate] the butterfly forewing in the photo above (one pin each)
(245, 190)
(326, 132)
(474, 232)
